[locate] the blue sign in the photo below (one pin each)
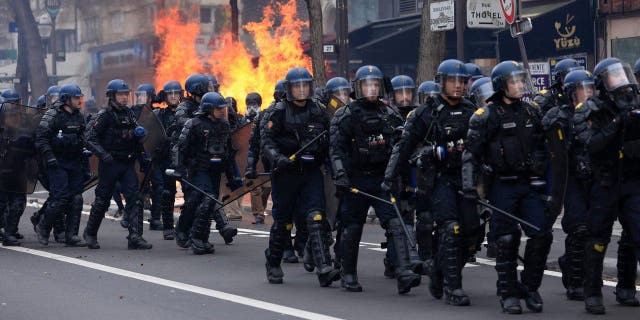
(13, 27)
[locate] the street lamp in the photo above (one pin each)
(53, 7)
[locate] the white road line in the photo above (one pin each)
(276, 308)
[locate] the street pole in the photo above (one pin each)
(342, 39)
(460, 7)
(54, 69)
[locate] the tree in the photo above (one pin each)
(316, 39)
(432, 47)
(30, 52)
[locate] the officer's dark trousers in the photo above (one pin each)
(574, 224)
(295, 195)
(609, 202)
(12, 205)
(520, 199)
(209, 182)
(122, 171)
(163, 192)
(66, 181)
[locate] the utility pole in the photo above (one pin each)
(53, 7)
(342, 39)
(460, 7)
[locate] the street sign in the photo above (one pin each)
(484, 14)
(53, 7)
(540, 75)
(328, 48)
(508, 10)
(442, 15)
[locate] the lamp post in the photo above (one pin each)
(53, 7)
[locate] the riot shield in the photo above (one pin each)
(559, 168)
(93, 167)
(156, 137)
(18, 155)
(331, 210)
(240, 142)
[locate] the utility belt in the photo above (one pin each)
(122, 156)
(535, 182)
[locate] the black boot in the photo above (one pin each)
(506, 266)
(317, 228)
(201, 229)
(280, 233)
(626, 287)
(59, 227)
(594, 259)
(55, 212)
(96, 215)
(535, 260)
(405, 277)
(155, 224)
(417, 265)
(136, 227)
(451, 260)
(37, 215)
(185, 221)
(350, 245)
(72, 224)
(307, 259)
(166, 209)
(572, 263)
(226, 231)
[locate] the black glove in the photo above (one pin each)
(390, 185)
(250, 174)
(283, 163)
(107, 158)
(52, 162)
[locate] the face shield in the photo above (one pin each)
(482, 93)
(173, 97)
(300, 90)
(342, 94)
(141, 98)
(122, 98)
(515, 84)
(370, 88)
(403, 97)
(617, 76)
(454, 86)
(51, 98)
(583, 91)
(221, 113)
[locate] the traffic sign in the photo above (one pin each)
(484, 14)
(442, 15)
(508, 10)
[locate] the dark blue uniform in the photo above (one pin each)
(163, 187)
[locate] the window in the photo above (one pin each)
(407, 7)
(625, 49)
(117, 22)
(92, 29)
(205, 15)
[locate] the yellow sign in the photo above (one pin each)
(566, 31)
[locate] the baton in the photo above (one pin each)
(172, 172)
(494, 208)
(395, 207)
(295, 155)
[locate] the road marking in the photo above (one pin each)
(276, 308)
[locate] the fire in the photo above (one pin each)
(280, 49)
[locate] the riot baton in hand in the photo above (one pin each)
(172, 172)
(295, 155)
(496, 209)
(392, 203)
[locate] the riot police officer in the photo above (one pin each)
(553, 97)
(443, 122)
(12, 204)
(362, 137)
(297, 181)
(426, 90)
(403, 94)
(144, 95)
(480, 91)
(340, 89)
(506, 140)
(52, 95)
(201, 154)
(253, 101)
(608, 126)
(196, 85)
(578, 86)
(163, 190)
(115, 139)
(60, 142)
(474, 72)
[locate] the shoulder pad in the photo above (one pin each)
(588, 106)
(553, 115)
(342, 111)
(280, 106)
(479, 117)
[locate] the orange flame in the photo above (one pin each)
(280, 49)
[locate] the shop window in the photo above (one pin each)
(626, 49)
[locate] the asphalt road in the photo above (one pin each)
(56, 282)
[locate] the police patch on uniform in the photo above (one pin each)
(509, 125)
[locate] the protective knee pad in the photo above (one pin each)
(595, 250)
(202, 221)
(450, 254)
(535, 259)
(627, 262)
(280, 233)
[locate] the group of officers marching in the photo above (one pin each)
(472, 152)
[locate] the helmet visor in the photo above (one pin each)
(454, 85)
(369, 88)
(403, 97)
(300, 90)
(51, 98)
(221, 112)
(482, 93)
(616, 76)
(173, 97)
(583, 91)
(342, 94)
(516, 84)
(141, 98)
